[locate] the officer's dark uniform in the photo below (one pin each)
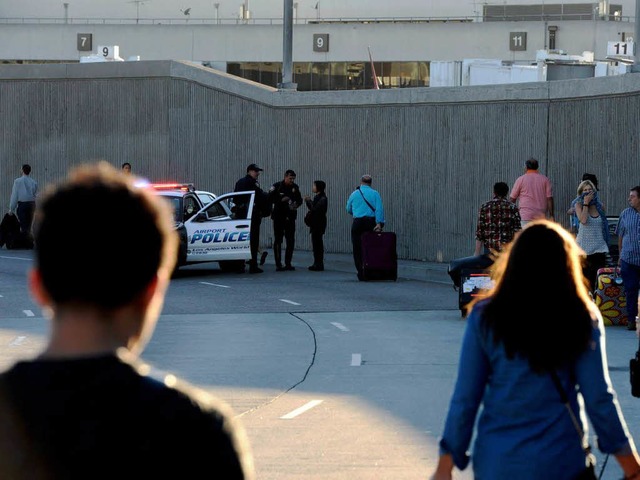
(284, 221)
(248, 183)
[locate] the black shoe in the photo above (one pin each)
(631, 325)
(361, 277)
(255, 270)
(280, 268)
(289, 267)
(263, 257)
(316, 268)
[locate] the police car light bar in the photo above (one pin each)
(185, 187)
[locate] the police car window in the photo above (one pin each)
(216, 211)
(190, 207)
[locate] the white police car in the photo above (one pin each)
(210, 232)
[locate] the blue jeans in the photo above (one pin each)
(631, 277)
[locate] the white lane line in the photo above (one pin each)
(356, 359)
(16, 258)
(340, 326)
(289, 301)
(1, 296)
(18, 341)
(301, 410)
(215, 285)
(28, 313)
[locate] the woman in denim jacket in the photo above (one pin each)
(512, 346)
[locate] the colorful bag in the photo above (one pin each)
(610, 297)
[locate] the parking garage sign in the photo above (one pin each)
(517, 41)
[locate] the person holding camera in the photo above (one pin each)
(593, 233)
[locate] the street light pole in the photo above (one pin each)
(287, 55)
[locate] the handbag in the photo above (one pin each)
(307, 218)
(589, 471)
(634, 374)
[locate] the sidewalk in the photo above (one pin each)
(408, 269)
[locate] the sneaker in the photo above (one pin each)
(263, 257)
(280, 268)
(255, 270)
(315, 268)
(289, 267)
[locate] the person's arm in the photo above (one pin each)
(13, 203)
(473, 374)
(480, 226)
(297, 196)
(350, 204)
(601, 404)
(478, 249)
(582, 211)
(379, 212)
(550, 209)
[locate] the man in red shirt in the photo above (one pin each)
(534, 194)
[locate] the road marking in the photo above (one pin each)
(215, 285)
(301, 410)
(1, 296)
(18, 341)
(340, 326)
(356, 359)
(28, 313)
(289, 301)
(16, 258)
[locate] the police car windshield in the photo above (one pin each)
(175, 203)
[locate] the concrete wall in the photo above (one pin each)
(434, 153)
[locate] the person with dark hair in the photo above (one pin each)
(628, 232)
(534, 194)
(498, 221)
(286, 198)
(528, 371)
(87, 406)
(317, 223)
(366, 208)
(23, 200)
(250, 183)
(126, 168)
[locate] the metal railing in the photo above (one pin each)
(307, 20)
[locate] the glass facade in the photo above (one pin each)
(336, 75)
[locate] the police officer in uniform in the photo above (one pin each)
(286, 198)
(247, 183)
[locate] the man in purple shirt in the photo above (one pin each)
(534, 194)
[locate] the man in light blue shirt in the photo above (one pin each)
(23, 199)
(365, 205)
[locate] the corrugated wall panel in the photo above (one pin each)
(434, 162)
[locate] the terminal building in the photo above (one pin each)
(420, 47)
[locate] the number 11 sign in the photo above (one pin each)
(621, 49)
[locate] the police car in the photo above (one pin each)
(210, 232)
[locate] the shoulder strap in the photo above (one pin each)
(574, 420)
(365, 200)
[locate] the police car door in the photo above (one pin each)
(219, 232)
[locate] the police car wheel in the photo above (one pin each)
(232, 265)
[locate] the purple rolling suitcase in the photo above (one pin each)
(379, 256)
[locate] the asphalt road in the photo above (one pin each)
(332, 378)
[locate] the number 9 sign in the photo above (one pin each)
(320, 42)
(109, 52)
